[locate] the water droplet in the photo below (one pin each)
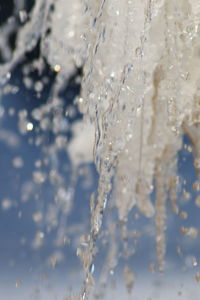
(139, 52)
(57, 68)
(23, 16)
(18, 283)
(29, 126)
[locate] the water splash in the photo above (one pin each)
(139, 96)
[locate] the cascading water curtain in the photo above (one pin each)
(140, 94)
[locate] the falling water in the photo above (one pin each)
(140, 94)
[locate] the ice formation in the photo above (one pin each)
(140, 92)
